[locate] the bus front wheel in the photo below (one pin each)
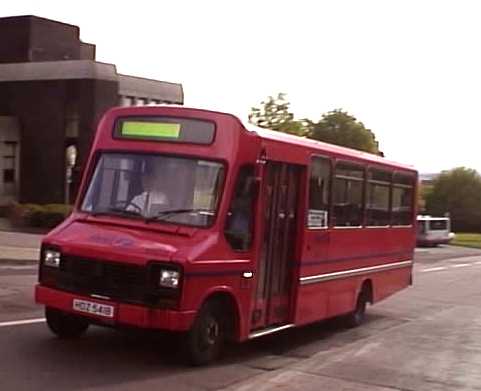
(205, 339)
(65, 325)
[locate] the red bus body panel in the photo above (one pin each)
(209, 264)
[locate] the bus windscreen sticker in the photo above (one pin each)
(317, 218)
(150, 129)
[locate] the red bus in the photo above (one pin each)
(189, 221)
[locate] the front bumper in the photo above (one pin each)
(124, 314)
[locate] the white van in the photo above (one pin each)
(433, 231)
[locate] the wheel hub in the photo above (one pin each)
(211, 332)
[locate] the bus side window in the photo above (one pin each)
(238, 227)
(348, 199)
(319, 191)
(378, 197)
(403, 199)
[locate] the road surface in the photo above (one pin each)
(427, 337)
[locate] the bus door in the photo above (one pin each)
(279, 204)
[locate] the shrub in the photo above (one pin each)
(42, 216)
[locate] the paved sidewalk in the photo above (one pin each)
(19, 247)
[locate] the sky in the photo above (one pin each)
(409, 70)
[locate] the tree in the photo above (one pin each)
(274, 114)
(336, 127)
(340, 128)
(457, 192)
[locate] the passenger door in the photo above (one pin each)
(279, 198)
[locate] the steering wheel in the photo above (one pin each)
(126, 204)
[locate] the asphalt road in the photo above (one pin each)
(427, 337)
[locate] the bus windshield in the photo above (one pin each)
(155, 188)
(438, 225)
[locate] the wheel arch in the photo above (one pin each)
(225, 298)
(367, 287)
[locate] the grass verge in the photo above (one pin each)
(467, 240)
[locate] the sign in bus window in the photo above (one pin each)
(319, 190)
(317, 218)
(150, 129)
(172, 129)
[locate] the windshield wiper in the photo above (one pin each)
(166, 214)
(116, 211)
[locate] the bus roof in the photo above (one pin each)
(322, 146)
(427, 217)
(286, 138)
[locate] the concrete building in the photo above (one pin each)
(52, 94)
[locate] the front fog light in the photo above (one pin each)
(51, 258)
(169, 278)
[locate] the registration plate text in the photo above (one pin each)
(91, 307)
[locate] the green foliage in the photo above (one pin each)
(340, 128)
(467, 240)
(423, 193)
(457, 192)
(336, 127)
(34, 215)
(274, 114)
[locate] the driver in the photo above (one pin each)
(152, 199)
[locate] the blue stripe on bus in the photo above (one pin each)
(352, 258)
(215, 273)
(302, 263)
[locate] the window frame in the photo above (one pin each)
(331, 162)
(379, 182)
(412, 198)
(366, 168)
(9, 175)
(362, 180)
(253, 210)
(98, 155)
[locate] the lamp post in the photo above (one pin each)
(70, 159)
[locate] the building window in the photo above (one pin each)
(125, 101)
(9, 161)
(141, 102)
(8, 175)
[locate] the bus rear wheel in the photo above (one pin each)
(65, 325)
(357, 317)
(206, 338)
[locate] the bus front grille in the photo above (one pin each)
(121, 282)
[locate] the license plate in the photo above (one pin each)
(90, 307)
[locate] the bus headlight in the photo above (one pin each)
(51, 258)
(169, 278)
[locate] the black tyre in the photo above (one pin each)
(65, 325)
(357, 317)
(206, 337)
